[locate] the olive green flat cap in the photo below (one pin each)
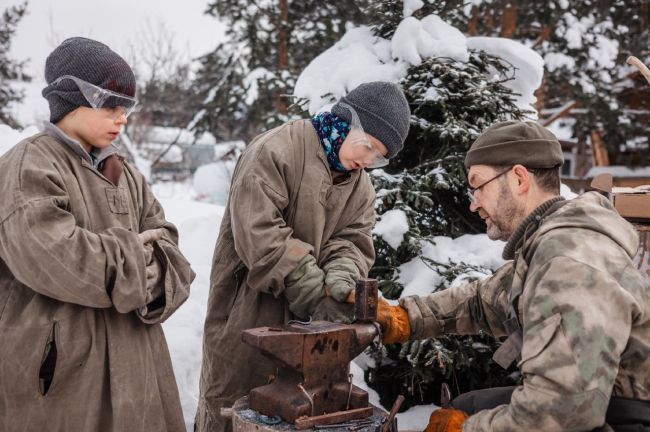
(516, 142)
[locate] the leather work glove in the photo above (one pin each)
(333, 311)
(446, 420)
(341, 275)
(394, 321)
(303, 287)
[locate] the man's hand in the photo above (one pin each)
(394, 321)
(446, 420)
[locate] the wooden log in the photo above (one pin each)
(245, 419)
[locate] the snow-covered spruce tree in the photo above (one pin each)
(10, 69)
(455, 91)
(245, 82)
(452, 102)
(425, 190)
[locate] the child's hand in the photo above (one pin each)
(152, 235)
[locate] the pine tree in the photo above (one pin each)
(452, 102)
(245, 82)
(10, 69)
(585, 44)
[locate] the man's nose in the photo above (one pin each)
(473, 206)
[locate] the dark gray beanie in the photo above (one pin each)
(90, 61)
(516, 142)
(383, 111)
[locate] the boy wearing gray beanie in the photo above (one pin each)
(89, 267)
(296, 234)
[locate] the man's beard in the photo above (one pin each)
(507, 215)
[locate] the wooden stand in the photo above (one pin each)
(245, 419)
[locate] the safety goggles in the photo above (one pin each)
(99, 98)
(358, 138)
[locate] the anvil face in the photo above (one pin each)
(320, 351)
(314, 363)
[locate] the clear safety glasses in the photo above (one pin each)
(358, 138)
(99, 98)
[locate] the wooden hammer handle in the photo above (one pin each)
(639, 65)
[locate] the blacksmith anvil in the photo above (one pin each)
(313, 383)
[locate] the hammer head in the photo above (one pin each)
(366, 297)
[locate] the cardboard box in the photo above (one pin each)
(631, 203)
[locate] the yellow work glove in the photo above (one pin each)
(446, 420)
(394, 321)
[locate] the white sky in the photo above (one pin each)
(117, 23)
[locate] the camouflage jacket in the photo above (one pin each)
(585, 313)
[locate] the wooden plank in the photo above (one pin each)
(333, 418)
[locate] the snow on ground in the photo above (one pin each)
(198, 224)
(212, 181)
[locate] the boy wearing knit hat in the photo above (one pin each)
(89, 267)
(296, 234)
(570, 300)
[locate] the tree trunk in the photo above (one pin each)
(283, 54)
(509, 22)
(471, 25)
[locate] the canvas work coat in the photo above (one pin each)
(282, 206)
(72, 278)
(584, 310)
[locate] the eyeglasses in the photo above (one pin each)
(472, 190)
(98, 98)
(358, 137)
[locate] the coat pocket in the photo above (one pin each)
(23, 354)
(118, 200)
(48, 364)
(547, 353)
(227, 291)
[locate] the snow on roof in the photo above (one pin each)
(619, 171)
(183, 137)
(563, 129)
(360, 56)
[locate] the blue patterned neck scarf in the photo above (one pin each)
(332, 132)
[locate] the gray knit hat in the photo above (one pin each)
(383, 111)
(516, 142)
(90, 61)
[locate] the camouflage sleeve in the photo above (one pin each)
(577, 321)
(464, 309)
